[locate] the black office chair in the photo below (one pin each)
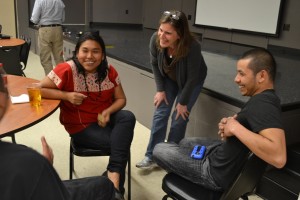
(178, 188)
(24, 52)
(10, 57)
(85, 152)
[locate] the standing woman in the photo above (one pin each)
(179, 71)
(88, 86)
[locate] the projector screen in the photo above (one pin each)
(257, 16)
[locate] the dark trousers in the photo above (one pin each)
(116, 138)
(90, 188)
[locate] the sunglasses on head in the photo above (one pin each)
(173, 15)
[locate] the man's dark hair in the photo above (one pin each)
(261, 59)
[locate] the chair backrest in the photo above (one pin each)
(10, 57)
(24, 52)
(84, 151)
(248, 178)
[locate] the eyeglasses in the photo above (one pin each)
(172, 15)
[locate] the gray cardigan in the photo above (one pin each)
(190, 70)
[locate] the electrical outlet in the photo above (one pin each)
(189, 17)
(286, 27)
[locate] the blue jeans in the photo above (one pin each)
(162, 113)
(176, 158)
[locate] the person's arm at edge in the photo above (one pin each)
(49, 90)
(119, 100)
(63, 14)
(36, 13)
(269, 144)
(158, 78)
(47, 150)
(196, 72)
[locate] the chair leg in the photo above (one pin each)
(165, 197)
(244, 197)
(71, 163)
(129, 176)
(13, 139)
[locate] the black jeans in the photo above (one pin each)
(116, 138)
(90, 188)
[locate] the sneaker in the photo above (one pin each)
(146, 163)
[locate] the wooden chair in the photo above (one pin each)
(178, 188)
(86, 152)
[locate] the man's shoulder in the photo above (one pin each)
(20, 152)
(268, 96)
(20, 159)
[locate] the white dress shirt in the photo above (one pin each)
(47, 12)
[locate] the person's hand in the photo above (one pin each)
(221, 128)
(227, 126)
(160, 97)
(47, 150)
(76, 98)
(103, 118)
(182, 111)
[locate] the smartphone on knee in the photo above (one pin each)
(198, 152)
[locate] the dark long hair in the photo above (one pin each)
(102, 69)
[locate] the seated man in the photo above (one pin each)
(257, 128)
(27, 175)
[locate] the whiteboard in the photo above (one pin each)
(260, 16)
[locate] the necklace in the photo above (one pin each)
(88, 92)
(170, 52)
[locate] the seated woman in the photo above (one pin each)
(92, 99)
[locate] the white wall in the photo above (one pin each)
(147, 12)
